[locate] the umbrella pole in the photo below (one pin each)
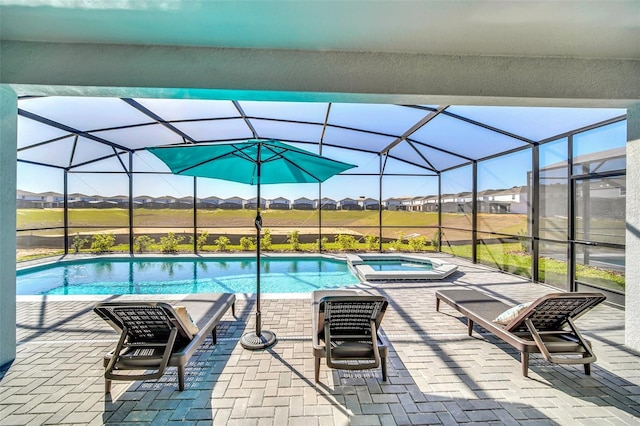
(261, 339)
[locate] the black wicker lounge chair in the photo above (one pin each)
(346, 328)
(545, 326)
(156, 335)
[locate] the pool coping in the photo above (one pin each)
(366, 273)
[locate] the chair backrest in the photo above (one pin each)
(145, 322)
(350, 316)
(550, 312)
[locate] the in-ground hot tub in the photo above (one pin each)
(398, 267)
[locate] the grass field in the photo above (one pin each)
(117, 218)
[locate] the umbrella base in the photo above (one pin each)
(254, 342)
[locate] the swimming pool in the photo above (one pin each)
(184, 275)
(378, 268)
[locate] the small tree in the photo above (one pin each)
(143, 242)
(293, 238)
(169, 243)
(222, 241)
(265, 241)
(200, 241)
(247, 243)
(102, 243)
(78, 243)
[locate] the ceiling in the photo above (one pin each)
(577, 29)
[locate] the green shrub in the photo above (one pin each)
(321, 243)
(169, 244)
(143, 242)
(102, 243)
(372, 242)
(200, 241)
(222, 242)
(265, 241)
(417, 243)
(346, 242)
(78, 243)
(398, 244)
(293, 238)
(247, 243)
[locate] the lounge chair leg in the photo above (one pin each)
(233, 309)
(214, 335)
(587, 369)
(524, 359)
(383, 362)
(181, 370)
(317, 369)
(107, 386)
(437, 305)
(470, 326)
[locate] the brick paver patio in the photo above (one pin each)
(437, 374)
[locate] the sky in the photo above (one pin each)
(40, 179)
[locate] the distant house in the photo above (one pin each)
(280, 203)
(209, 202)
(232, 203)
(164, 202)
(370, 204)
(121, 201)
(349, 204)
(100, 204)
(457, 203)
(418, 204)
(184, 203)
(430, 204)
(393, 204)
(26, 199)
(303, 204)
(328, 204)
(251, 203)
(513, 200)
(82, 201)
(143, 200)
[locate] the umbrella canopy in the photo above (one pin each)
(238, 162)
(255, 162)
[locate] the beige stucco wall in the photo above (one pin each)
(632, 251)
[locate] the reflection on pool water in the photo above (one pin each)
(184, 275)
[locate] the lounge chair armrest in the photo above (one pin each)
(587, 358)
(162, 365)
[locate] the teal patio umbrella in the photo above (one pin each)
(255, 162)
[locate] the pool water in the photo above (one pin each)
(182, 276)
(398, 265)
